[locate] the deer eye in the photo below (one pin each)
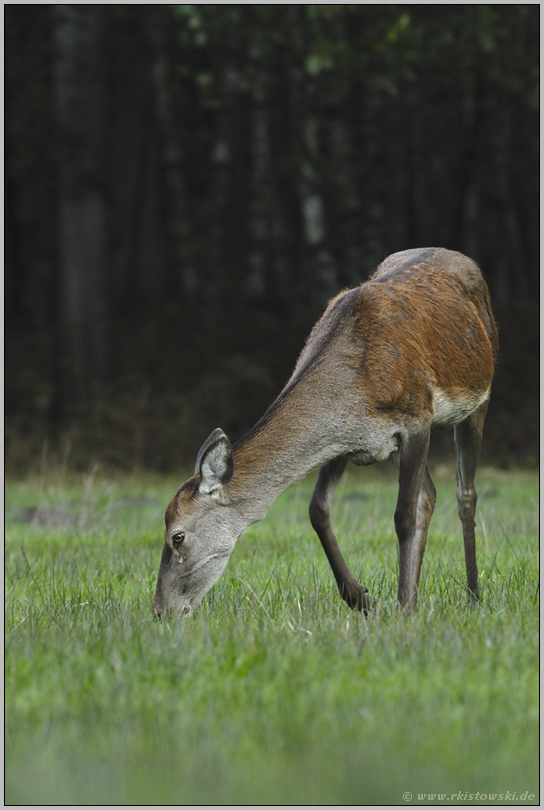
(177, 539)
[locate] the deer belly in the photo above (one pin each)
(450, 409)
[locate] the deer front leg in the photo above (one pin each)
(468, 442)
(351, 591)
(414, 509)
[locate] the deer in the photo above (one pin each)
(409, 351)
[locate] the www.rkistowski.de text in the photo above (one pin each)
(463, 796)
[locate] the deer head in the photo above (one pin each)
(201, 530)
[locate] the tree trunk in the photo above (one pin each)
(182, 272)
(79, 88)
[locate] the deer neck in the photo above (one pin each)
(292, 439)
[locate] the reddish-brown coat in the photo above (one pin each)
(421, 326)
(415, 332)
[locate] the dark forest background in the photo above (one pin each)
(186, 187)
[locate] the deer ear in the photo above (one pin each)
(214, 463)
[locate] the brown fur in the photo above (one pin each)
(416, 332)
(412, 327)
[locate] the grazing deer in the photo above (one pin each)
(410, 350)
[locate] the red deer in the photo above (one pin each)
(410, 350)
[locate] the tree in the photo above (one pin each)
(79, 88)
(187, 185)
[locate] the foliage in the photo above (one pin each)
(274, 693)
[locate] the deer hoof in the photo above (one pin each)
(357, 598)
(367, 605)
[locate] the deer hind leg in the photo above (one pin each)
(351, 591)
(415, 504)
(425, 508)
(468, 441)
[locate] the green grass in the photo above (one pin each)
(274, 692)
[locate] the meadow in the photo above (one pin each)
(274, 692)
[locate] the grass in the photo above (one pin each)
(274, 692)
